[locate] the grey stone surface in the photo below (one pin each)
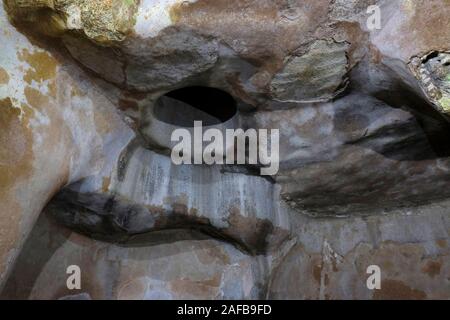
(364, 149)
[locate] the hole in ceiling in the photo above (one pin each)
(183, 106)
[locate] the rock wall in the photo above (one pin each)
(364, 152)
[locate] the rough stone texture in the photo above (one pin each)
(167, 265)
(331, 153)
(433, 71)
(317, 75)
(149, 193)
(364, 152)
(331, 258)
(55, 129)
(104, 21)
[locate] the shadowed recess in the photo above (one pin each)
(183, 106)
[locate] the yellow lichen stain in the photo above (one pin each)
(16, 158)
(317, 272)
(42, 66)
(442, 243)
(4, 76)
(13, 139)
(133, 289)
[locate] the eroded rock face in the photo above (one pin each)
(363, 120)
(104, 22)
(55, 129)
(177, 264)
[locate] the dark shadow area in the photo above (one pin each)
(435, 127)
(183, 106)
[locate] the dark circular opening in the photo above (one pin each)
(183, 106)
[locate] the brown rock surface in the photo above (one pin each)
(364, 149)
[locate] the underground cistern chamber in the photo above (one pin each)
(224, 150)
